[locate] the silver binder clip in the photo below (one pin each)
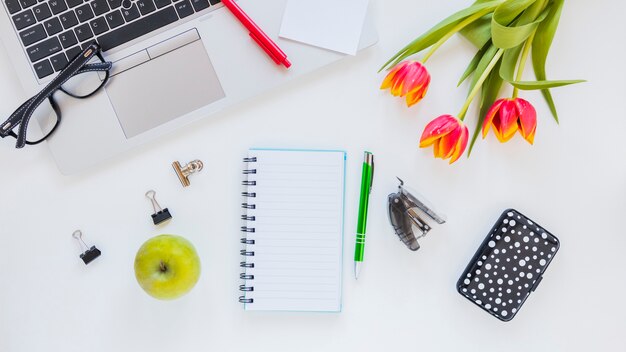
(403, 209)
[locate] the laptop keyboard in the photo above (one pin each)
(53, 32)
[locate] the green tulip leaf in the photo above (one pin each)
(489, 94)
(438, 31)
(482, 65)
(474, 63)
(532, 12)
(534, 85)
(479, 32)
(509, 63)
(541, 47)
(509, 10)
(507, 36)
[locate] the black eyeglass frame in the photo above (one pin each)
(79, 65)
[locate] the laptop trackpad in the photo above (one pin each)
(164, 88)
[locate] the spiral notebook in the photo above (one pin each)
(293, 226)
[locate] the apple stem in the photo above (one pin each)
(163, 267)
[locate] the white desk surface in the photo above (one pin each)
(573, 182)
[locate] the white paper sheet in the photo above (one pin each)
(298, 230)
(330, 24)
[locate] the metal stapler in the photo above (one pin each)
(404, 216)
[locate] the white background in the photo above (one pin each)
(572, 182)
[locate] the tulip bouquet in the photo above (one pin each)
(504, 32)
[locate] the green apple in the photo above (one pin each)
(167, 266)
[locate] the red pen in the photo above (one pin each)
(265, 42)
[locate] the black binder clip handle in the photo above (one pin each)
(90, 253)
(160, 215)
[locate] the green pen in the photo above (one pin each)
(366, 188)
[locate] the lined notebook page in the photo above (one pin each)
(298, 230)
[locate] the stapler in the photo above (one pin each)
(404, 214)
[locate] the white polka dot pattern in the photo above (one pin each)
(510, 257)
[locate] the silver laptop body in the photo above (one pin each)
(193, 67)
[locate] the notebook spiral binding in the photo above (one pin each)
(247, 253)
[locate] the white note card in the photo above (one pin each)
(330, 24)
(295, 207)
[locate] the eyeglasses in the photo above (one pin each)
(80, 79)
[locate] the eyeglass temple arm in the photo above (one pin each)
(24, 113)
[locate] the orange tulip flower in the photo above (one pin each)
(410, 79)
(507, 116)
(448, 136)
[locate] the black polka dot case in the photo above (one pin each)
(508, 266)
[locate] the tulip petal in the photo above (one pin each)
(436, 148)
(390, 78)
(527, 120)
(396, 89)
(437, 128)
(508, 120)
(415, 78)
(489, 118)
(460, 145)
(418, 94)
(410, 80)
(447, 143)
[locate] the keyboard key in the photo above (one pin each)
(99, 26)
(68, 19)
(44, 49)
(23, 19)
(53, 26)
(73, 3)
(59, 62)
(42, 12)
(200, 5)
(100, 7)
(27, 3)
(43, 69)
(68, 39)
(83, 32)
(113, 4)
(57, 6)
(84, 13)
(215, 2)
(184, 9)
(33, 35)
(162, 3)
(115, 19)
(136, 29)
(73, 52)
(87, 44)
(146, 6)
(131, 14)
(13, 6)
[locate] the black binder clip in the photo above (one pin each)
(90, 253)
(160, 215)
(403, 209)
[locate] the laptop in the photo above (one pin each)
(175, 62)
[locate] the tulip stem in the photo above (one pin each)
(522, 63)
(453, 31)
(479, 84)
